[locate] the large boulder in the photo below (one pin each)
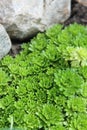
(5, 43)
(24, 18)
(84, 2)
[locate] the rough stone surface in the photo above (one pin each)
(84, 2)
(5, 43)
(24, 18)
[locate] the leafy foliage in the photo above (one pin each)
(45, 86)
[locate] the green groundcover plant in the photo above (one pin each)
(45, 86)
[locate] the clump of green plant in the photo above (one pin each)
(45, 86)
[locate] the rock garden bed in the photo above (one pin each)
(43, 83)
(78, 15)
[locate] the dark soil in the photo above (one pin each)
(78, 15)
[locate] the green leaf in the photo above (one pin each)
(77, 104)
(45, 86)
(51, 115)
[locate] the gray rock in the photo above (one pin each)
(5, 43)
(84, 2)
(24, 18)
